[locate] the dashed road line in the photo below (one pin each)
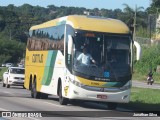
(53, 104)
(8, 92)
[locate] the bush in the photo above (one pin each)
(149, 61)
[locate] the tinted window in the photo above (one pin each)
(16, 71)
(51, 38)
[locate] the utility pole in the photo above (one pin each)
(135, 17)
(150, 28)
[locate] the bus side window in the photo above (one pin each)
(29, 43)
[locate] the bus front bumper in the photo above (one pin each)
(75, 92)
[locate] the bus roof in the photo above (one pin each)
(90, 23)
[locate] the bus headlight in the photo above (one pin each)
(76, 83)
(126, 87)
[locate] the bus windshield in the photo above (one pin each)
(102, 56)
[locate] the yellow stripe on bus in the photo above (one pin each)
(91, 82)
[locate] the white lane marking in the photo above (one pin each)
(8, 92)
(2, 109)
(33, 118)
(53, 104)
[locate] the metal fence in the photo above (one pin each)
(143, 41)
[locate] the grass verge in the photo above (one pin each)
(2, 70)
(143, 99)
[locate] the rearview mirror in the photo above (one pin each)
(70, 44)
(138, 50)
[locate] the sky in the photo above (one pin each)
(89, 4)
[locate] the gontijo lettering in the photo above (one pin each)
(37, 58)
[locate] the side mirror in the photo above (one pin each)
(5, 72)
(70, 44)
(138, 50)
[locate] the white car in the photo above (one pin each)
(9, 64)
(14, 76)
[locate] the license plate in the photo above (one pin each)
(102, 96)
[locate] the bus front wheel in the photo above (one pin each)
(62, 100)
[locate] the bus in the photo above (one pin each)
(52, 52)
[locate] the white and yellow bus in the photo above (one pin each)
(51, 66)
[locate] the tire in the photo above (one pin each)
(112, 106)
(62, 100)
(3, 84)
(24, 87)
(8, 86)
(34, 93)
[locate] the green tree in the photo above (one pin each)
(154, 7)
(2, 21)
(129, 12)
(136, 18)
(11, 50)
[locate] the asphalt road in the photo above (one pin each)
(144, 84)
(18, 100)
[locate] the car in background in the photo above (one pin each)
(20, 65)
(14, 76)
(9, 65)
(3, 65)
